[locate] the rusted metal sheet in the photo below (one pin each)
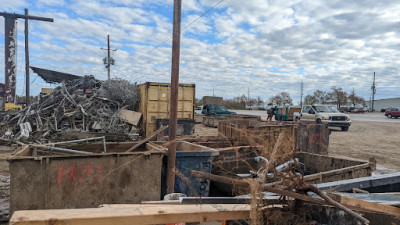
(313, 138)
(50, 182)
(51, 76)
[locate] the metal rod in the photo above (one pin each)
(104, 145)
(61, 149)
(174, 95)
(27, 60)
(77, 141)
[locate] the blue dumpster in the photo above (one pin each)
(190, 157)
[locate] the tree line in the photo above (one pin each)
(336, 96)
(244, 102)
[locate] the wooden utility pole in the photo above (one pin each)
(27, 95)
(173, 115)
(9, 48)
(108, 60)
(301, 94)
(373, 92)
(108, 56)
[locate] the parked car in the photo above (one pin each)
(216, 110)
(384, 109)
(392, 112)
(344, 109)
(359, 110)
(323, 114)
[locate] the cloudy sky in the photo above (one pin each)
(226, 45)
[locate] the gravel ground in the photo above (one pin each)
(365, 139)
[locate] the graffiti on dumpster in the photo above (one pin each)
(80, 174)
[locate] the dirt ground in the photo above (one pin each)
(367, 139)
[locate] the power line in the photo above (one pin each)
(187, 26)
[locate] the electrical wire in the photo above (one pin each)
(163, 42)
(187, 26)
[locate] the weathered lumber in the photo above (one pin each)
(242, 183)
(287, 193)
(365, 205)
(336, 203)
(9, 140)
(134, 214)
(147, 139)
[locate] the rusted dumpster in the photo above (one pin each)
(54, 181)
(313, 138)
(238, 158)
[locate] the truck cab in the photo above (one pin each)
(323, 114)
(216, 110)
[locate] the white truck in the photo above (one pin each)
(323, 114)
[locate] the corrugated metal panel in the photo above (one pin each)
(155, 99)
(51, 76)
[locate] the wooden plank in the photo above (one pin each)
(134, 214)
(323, 176)
(147, 139)
(22, 151)
(365, 205)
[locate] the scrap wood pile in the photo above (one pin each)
(277, 172)
(80, 105)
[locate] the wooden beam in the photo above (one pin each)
(365, 205)
(147, 139)
(134, 215)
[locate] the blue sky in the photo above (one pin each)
(270, 46)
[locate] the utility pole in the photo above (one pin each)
(248, 96)
(173, 116)
(109, 60)
(108, 56)
(27, 95)
(373, 93)
(9, 48)
(301, 94)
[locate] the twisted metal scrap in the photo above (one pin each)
(79, 104)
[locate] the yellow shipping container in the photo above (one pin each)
(47, 90)
(12, 106)
(155, 101)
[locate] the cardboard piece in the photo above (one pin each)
(130, 117)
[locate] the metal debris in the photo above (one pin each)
(85, 105)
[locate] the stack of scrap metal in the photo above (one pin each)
(79, 105)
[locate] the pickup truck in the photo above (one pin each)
(215, 110)
(392, 112)
(323, 114)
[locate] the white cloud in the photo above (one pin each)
(268, 45)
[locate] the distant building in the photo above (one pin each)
(383, 103)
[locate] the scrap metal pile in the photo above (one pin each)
(84, 104)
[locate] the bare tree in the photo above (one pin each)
(356, 100)
(321, 96)
(338, 96)
(259, 102)
(310, 100)
(282, 99)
